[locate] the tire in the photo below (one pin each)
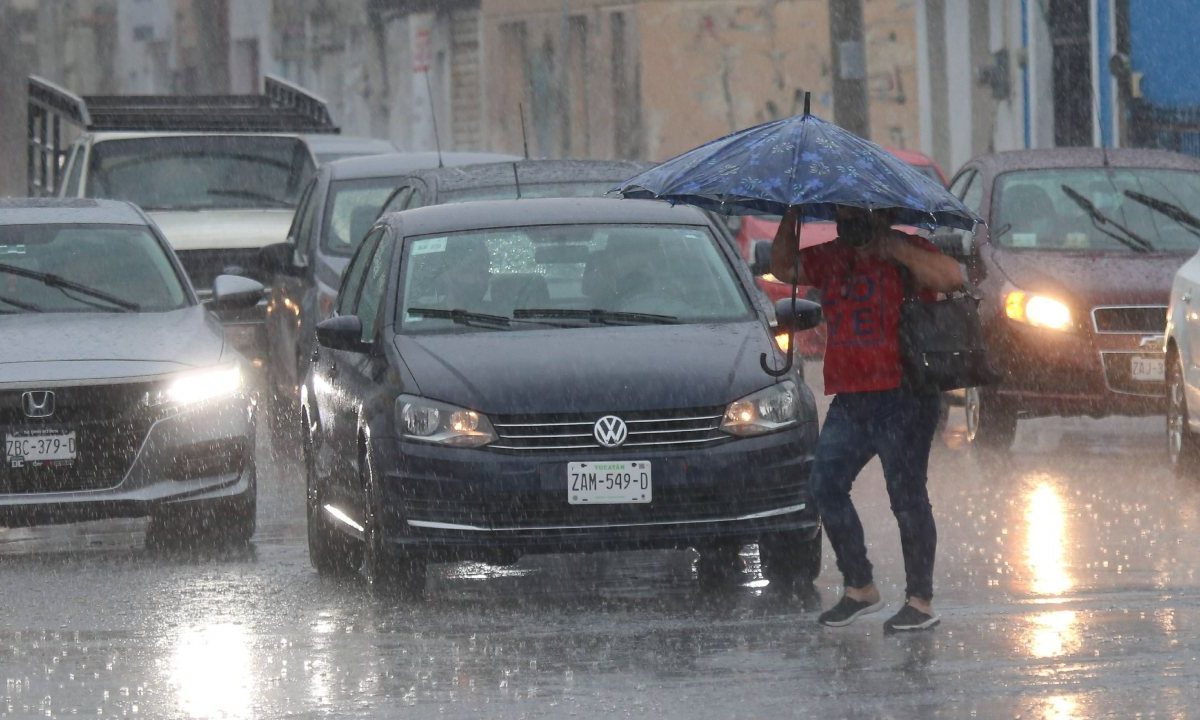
(719, 566)
(390, 572)
(991, 422)
(789, 559)
(1183, 447)
(332, 552)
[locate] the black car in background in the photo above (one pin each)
(552, 375)
(334, 212)
(119, 395)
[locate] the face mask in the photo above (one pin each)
(854, 231)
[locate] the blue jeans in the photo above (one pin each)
(898, 426)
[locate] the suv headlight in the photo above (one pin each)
(198, 386)
(764, 411)
(436, 422)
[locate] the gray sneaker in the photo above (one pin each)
(910, 619)
(847, 611)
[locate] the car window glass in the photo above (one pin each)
(415, 199)
(959, 185)
(571, 267)
(125, 262)
(1052, 209)
(348, 295)
(371, 298)
(352, 208)
(974, 193)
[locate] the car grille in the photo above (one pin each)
(549, 433)
(110, 423)
(544, 509)
(1145, 320)
(203, 266)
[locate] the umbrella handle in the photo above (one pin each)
(787, 364)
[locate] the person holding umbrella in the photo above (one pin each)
(805, 169)
(861, 279)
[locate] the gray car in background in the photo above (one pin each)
(336, 209)
(119, 395)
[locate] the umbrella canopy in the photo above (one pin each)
(802, 161)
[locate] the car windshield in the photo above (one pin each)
(1094, 209)
(85, 268)
(561, 273)
(351, 209)
(200, 172)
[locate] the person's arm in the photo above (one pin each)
(785, 251)
(930, 269)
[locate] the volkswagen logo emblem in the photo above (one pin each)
(38, 403)
(610, 431)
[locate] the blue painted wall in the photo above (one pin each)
(1163, 47)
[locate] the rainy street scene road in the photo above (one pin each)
(695, 359)
(1067, 581)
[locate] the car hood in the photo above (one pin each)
(223, 229)
(1094, 279)
(70, 346)
(591, 369)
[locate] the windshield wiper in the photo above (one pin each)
(27, 307)
(63, 285)
(249, 195)
(462, 317)
(1171, 210)
(596, 316)
(1130, 239)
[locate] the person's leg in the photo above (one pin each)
(903, 434)
(842, 450)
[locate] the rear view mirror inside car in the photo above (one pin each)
(561, 254)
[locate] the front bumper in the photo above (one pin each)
(1049, 372)
(199, 455)
(457, 502)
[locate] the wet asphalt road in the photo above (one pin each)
(1067, 580)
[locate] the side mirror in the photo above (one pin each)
(234, 291)
(277, 258)
(956, 244)
(807, 314)
(343, 332)
(761, 262)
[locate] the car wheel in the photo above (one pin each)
(389, 571)
(1183, 447)
(991, 422)
(719, 566)
(332, 552)
(789, 559)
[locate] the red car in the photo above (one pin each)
(753, 229)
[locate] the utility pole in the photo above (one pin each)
(849, 66)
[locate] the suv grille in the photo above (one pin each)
(1146, 320)
(661, 429)
(109, 422)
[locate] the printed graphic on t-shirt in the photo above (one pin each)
(855, 313)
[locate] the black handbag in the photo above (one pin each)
(941, 342)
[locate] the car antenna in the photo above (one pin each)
(524, 137)
(517, 180)
(433, 114)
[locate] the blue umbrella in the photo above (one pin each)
(802, 161)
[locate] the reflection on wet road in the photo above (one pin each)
(1067, 579)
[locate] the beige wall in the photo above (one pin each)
(692, 70)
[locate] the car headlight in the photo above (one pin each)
(437, 422)
(1037, 310)
(196, 387)
(765, 411)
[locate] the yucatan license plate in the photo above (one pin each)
(1147, 368)
(37, 447)
(608, 483)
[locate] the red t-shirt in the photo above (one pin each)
(860, 298)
